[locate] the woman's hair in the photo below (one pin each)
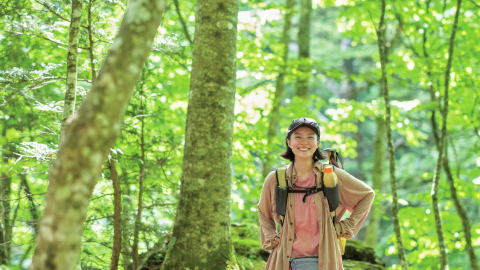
(318, 155)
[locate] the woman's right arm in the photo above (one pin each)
(265, 212)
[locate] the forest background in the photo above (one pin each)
(337, 64)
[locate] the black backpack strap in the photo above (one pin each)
(281, 192)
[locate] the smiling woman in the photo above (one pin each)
(308, 236)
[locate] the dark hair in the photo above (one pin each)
(318, 155)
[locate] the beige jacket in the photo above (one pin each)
(355, 196)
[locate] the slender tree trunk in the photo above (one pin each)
(125, 220)
(90, 38)
(377, 178)
(33, 208)
(280, 88)
(71, 90)
(202, 223)
(88, 139)
(441, 148)
(5, 190)
(138, 219)
(184, 25)
(462, 213)
(117, 216)
(303, 74)
(391, 151)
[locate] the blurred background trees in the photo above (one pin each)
(340, 70)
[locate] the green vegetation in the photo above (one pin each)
(341, 73)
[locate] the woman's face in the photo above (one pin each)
(303, 142)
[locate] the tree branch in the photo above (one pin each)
(187, 35)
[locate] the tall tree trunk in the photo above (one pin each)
(117, 216)
(138, 218)
(303, 75)
(71, 90)
(33, 208)
(90, 38)
(88, 139)
(280, 88)
(202, 223)
(441, 148)
(377, 178)
(381, 31)
(5, 238)
(125, 218)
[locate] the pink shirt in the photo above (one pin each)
(307, 231)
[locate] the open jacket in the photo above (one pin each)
(355, 196)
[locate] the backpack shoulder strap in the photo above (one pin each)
(281, 174)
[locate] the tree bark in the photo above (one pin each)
(71, 89)
(89, 137)
(441, 148)
(6, 233)
(201, 233)
(125, 218)
(90, 38)
(381, 31)
(117, 216)
(279, 90)
(377, 179)
(33, 208)
(303, 75)
(138, 218)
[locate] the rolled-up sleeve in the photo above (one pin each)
(265, 212)
(357, 197)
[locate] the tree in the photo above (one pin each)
(381, 40)
(303, 41)
(89, 137)
(71, 90)
(279, 89)
(117, 237)
(442, 146)
(202, 223)
(371, 237)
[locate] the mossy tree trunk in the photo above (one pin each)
(6, 226)
(377, 179)
(304, 25)
(381, 40)
(90, 38)
(279, 90)
(201, 233)
(138, 218)
(89, 137)
(441, 148)
(117, 216)
(71, 89)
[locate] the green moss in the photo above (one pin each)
(356, 265)
(358, 251)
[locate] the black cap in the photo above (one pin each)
(304, 122)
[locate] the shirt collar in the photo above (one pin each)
(317, 168)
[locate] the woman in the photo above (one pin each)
(308, 238)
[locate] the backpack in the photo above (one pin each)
(283, 189)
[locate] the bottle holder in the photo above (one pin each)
(281, 195)
(332, 196)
